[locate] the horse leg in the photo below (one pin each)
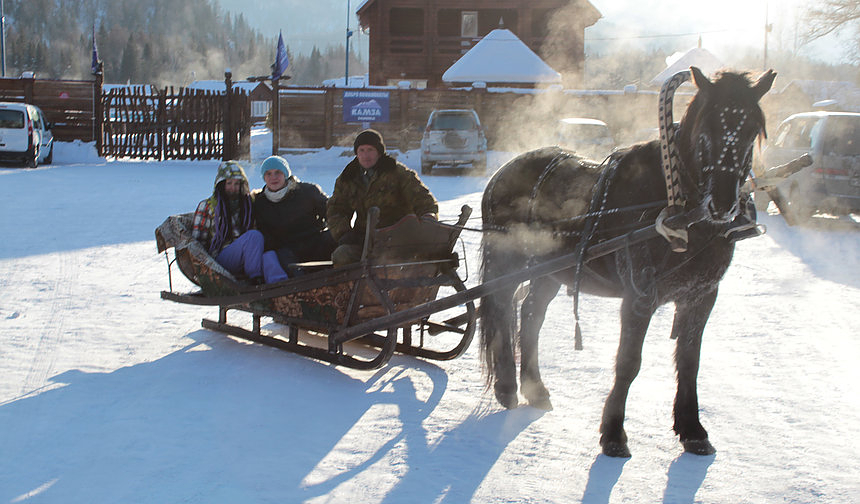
(541, 292)
(687, 328)
(628, 361)
(498, 326)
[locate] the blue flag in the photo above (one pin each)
(95, 63)
(281, 60)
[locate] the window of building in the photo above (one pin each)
(448, 22)
(452, 22)
(469, 24)
(406, 22)
(259, 108)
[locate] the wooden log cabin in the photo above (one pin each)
(417, 40)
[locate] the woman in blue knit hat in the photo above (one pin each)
(223, 222)
(291, 215)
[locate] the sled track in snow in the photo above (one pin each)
(50, 335)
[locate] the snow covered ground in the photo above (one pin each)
(109, 394)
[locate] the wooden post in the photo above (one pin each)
(161, 117)
(403, 95)
(98, 109)
(276, 117)
(243, 125)
(229, 141)
(29, 79)
(328, 128)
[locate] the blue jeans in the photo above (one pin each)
(245, 255)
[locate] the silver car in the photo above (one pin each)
(832, 182)
(454, 138)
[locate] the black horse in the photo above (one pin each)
(550, 202)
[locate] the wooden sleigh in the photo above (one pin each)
(328, 310)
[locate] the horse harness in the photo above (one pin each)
(674, 204)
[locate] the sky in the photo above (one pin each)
(726, 26)
(110, 394)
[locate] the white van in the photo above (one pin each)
(25, 136)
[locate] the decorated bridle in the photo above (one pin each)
(732, 119)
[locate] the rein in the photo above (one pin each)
(610, 211)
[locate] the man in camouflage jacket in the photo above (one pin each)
(373, 179)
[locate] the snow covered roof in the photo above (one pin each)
(148, 88)
(218, 85)
(355, 81)
(697, 57)
(501, 57)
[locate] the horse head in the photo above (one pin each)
(716, 139)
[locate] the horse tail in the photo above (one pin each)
(498, 309)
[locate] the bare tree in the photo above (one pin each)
(827, 16)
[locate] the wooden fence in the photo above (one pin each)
(141, 121)
(68, 104)
(148, 123)
(512, 119)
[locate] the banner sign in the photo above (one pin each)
(365, 106)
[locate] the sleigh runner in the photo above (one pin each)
(402, 267)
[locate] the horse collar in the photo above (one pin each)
(671, 159)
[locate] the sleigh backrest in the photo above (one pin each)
(192, 258)
(404, 258)
(414, 239)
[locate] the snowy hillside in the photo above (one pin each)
(109, 394)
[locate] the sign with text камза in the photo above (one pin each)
(365, 106)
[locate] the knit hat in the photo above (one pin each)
(369, 137)
(232, 170)
(275, 163)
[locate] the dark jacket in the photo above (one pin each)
(295, 221)
(393, 188)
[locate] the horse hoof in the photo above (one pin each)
(538, 396)
(507, 399)
(542, 403)
(616, 449)
(699, 447)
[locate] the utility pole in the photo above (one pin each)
(767, 29)
(2, 38)
(348, 34)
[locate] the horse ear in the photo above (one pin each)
(699, 78)
(764, 83)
